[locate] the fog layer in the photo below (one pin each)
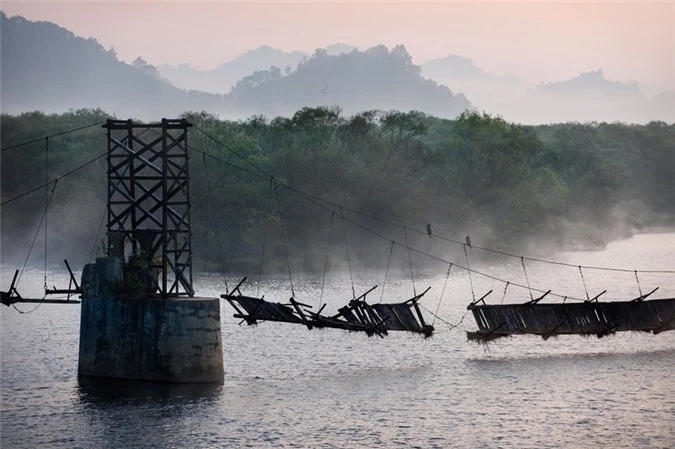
(506, 185)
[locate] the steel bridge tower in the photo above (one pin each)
(149, 201)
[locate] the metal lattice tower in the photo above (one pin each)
(149, 201)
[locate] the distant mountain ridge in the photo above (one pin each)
(455, 67)
(339, 48)
(593, 81)
(587, 97)
(373, 79)
(222, 78)
(46, 67)
(590, 96)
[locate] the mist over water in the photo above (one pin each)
(288, 386)
(374, 129)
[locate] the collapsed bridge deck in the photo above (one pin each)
(357, 315)
(587, 318)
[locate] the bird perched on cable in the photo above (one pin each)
(468, 241)
(429, 229)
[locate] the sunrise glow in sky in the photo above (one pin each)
(535, 40)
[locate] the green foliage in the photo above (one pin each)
(503, 183)
(138, 279)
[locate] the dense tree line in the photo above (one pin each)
(505, 184)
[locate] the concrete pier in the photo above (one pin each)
(175, 339)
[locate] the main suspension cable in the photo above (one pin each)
(53, 135)
(419, 231)
(54, 181)
(319, 204)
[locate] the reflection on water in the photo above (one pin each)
(97, 391)
(665, 354)
(288, 386)
(129, 413)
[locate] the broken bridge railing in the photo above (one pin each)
(357, 315)
(12, 295)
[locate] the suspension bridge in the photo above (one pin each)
(149, 233)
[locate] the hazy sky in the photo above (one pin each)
(538, 41)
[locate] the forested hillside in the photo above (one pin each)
(375, 78)
(221, 79)
(48, 68)
(508, 186)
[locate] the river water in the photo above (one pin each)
(286, 386)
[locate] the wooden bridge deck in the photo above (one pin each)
(587, 318)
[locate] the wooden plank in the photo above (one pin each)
(587, 318)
